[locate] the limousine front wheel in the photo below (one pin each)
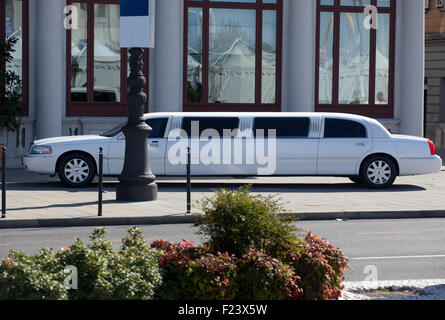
(76, 170)
(379, 172)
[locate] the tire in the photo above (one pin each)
(76, 170)
(379, 172)
(357, 180)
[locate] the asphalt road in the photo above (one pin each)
(378, 250)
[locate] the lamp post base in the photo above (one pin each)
(137, 192)
(137, 182)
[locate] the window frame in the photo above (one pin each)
(371, 109)
(25, 49)
(191, 119)
(164, 125)
(296, 118)
(257, 106)
(366, 137)
(91, 108)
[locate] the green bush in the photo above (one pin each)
(11, 109)
(36, 277)
(129, 274)
(236, 221)
(263, 259)
(103, 274)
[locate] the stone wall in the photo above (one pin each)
(434, 19)
(435, 86)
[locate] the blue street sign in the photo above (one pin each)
(137, 23)
(134, 8)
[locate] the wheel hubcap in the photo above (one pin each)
(77, 170)
(379, 172)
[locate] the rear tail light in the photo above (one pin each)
(432, 148)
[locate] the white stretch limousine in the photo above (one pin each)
(247, 144)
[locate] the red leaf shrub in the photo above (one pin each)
(320, 267)
(312, 271)
(261, 277)
(194, 273)
(277, 266)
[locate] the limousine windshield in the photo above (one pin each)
(114, 132)
(158, 127)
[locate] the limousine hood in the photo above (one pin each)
(70, 140)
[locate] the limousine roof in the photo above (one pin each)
(260, 114)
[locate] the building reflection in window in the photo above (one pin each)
(107, 53)
(79, 54)
(14, 29)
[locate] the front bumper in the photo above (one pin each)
(43, 164)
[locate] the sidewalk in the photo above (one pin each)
(41, 201)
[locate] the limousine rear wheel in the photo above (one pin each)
(76, 170)
(379, 172)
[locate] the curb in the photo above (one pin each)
(190, 219)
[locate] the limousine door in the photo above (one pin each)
(157, 145)
(210, 155)
(343, 145)
(295, 151)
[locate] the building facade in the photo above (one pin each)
(435, 72)
(231, 55)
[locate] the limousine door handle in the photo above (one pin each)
(361, 144)
(155, 143)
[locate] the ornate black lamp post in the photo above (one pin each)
(137, 180)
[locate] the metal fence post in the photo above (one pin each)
(101, 184)
(3, 182)
(189, 181)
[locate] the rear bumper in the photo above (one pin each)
(39, 164)
(418, 166)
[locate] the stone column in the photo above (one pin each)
(167, 62)
(299, 34)
(411, 52)
(50, 66)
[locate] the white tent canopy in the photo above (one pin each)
(354, 80)
(107, 64)
(232, 75)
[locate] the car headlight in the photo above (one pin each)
(41, 150)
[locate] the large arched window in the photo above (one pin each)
(14, 24)
(355, 61)
(97, 68)
(232, 55)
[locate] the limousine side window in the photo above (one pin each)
(337, 128)
(218, 124)
(285, 127)
(158, 127)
